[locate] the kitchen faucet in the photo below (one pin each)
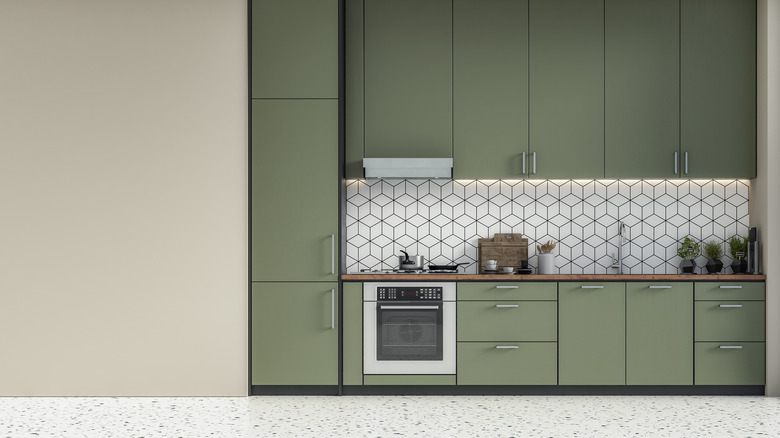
(618, 264)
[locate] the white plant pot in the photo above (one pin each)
(546, 264)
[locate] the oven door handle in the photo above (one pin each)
(409, 307)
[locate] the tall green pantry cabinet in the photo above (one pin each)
(294, 194)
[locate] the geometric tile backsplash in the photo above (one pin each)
(442, 220)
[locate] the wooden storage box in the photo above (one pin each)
(506, 249)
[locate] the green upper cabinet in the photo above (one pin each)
(490, 88)
(295, 334)
(408, 78)
(294, 189)
(591, 333)
(566, 64)
(642, 93)
(659, 333)
(718, 88)
(353, 89)
(295, 48)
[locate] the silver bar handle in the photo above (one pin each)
(730, 346)
(731, 305)
(592, 287)
(332, 254)
(523, 163)
(730, 287)
(332, 309)
(675, 164)
(534, 163)
(507, 287)
(660, 287)
(506, 347)
(686, 163)
(409, 307)
(507, 305)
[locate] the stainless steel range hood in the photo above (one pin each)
(408, 167)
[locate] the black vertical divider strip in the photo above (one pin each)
(249, 196)
(341, 188)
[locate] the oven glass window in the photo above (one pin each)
(409, 334)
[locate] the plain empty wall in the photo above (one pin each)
(123, 197)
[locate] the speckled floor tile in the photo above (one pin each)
(386, 416)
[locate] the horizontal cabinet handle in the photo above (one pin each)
(592, 287)
(736, 347)
(660, 287)
(731, 305)
(409, 307)
(507, 305)
(507, 287)
(507, 347)
(730, 287)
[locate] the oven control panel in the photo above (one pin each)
(409, 293)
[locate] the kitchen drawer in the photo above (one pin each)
(507, 363)
(507, 321)
(724, 321)
(716, 365)
(409, 379)
(729, 290)
(507, 290)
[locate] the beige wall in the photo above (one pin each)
(123, 188)
(765, 207)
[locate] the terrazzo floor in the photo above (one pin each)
(390, 416)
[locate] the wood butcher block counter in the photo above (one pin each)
(561, 277)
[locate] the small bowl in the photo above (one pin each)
(508, 269)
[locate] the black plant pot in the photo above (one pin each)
(739, 266)
(714, 266)
(687, 266)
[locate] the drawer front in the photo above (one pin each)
(716, 365)
(409, 379)
(507, 321)
(729, 321)
(507, 290)
(729, 290)
(502, 363)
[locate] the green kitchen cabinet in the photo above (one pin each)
(642, 88)
(591, 333)
(295, 333)
(730, 320)
(566, 91)
(507, 290)
(490, 88)
(507, 363)
(295, 48)
(407, 78)
(353, 89)
(294, 189)
(507, 321)
(659, 333)
(352, 323)
(730, 363)
(718, 88)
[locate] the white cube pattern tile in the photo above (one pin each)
(442, 220)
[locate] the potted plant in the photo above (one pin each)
(713, 251)
(688, 251)
(738, 249)
(546, 258)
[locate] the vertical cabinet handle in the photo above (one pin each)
(660, 287)
(731, 305)
(332, 309)
(534, 164)
(332, 254)
(592, 287)
(675, 164)
(686, 163)
(523, 163)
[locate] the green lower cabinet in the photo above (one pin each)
(730, 320)
(506, 290)
(507, 321)
(659, 333)
(295, 334)
(730, 363)
(592, 341)
(507, 363)
(409, 379)
(352, 324)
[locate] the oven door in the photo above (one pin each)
(409, 337)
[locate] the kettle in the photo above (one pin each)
(413, 263)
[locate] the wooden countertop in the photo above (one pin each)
(561, 277)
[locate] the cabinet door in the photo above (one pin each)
(408, 78)
(659, 333)
(294, 334)
(353, 333)
(502, 363)
(642, 83)
(566, 88)
(591, 334)
(718, 88)
(490, 88)
(295, 48)
(294, 189)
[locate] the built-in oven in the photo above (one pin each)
(409, 328)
